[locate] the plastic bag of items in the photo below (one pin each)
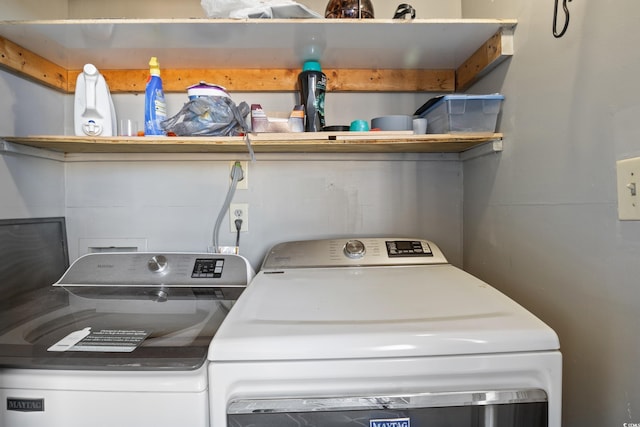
(209, 116)
(242, 9)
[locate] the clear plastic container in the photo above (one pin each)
(463, 113)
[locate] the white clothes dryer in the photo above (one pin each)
(381, 333)
(120, 340)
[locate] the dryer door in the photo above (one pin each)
(512, 408)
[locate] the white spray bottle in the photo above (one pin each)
(94, 114)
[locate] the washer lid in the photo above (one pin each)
(122, 311)
(370, 312)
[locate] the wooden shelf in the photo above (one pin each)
(423, 55)
(260, 55)
(342, 142)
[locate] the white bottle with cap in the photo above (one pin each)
(94, 113)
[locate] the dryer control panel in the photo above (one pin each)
(348, 252)
(402, 248)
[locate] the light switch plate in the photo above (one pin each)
(628, 172)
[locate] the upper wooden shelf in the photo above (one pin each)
(260, 55)
(321, 142)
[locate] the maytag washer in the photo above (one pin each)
(381, 333)
(121, 339)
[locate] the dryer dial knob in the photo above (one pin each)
(158, 264)
(354, 249)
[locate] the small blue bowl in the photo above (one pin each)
(359, 126)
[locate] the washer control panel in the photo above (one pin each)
(152, 269)
(208, 268)
(349, 252)
(354, 249)
(157, 263)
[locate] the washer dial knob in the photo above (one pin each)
(354, 249)
(159, 295)
(158, 264)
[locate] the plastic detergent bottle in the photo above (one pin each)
(94, 114)
(155, 107)
(312, 83)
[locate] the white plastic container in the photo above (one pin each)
(206, 89)
(464, 113)
(94, 114)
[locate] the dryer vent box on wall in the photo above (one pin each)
(89, 246)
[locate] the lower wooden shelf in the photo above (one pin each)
(322, 142)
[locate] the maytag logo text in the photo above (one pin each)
(25, 405)
(396, 422)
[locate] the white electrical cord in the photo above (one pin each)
(236, 176)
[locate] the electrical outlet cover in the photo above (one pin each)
(244, 184)
(241, 211)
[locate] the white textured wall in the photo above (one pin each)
(33, 9)
(173, 205)
(541, 219)
(29, 187)
(30, 109)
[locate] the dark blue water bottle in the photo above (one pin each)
(312, 83)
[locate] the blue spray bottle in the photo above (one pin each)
(155, 107)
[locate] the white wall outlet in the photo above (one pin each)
(628, 172)
(239, 211)
(244, 184)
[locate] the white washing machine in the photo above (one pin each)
(120, 340)
(380, 333)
